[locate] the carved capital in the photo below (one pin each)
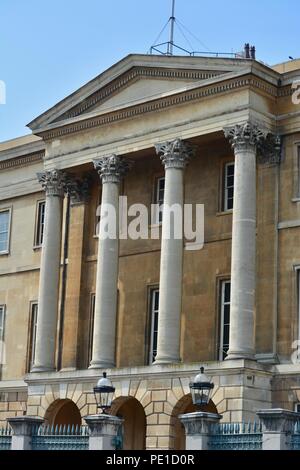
(112, 168)
(53, 182)
(175, 153)
(269, 150)
(245, 137)
(78, 189)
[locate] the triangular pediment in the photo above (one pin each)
(134, 79)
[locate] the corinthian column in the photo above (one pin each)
(111, 170)
(244, 139)
(175, 156)
(53, 182)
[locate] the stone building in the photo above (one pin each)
(222, 132)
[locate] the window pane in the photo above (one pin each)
(224, 319)
(40, 224)
(153, 325)
(159, 197)
(2, 322)
(230, 169)
(4, 226)
(228, 186)
(227, 292)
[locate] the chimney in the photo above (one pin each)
(252, 52)
(247, 50)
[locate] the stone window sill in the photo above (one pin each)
(221, 213)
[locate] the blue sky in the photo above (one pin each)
(49, 48)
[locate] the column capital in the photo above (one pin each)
(78, 189)
(112, 168)
(53, 182)
(246, 136)
(175, 153)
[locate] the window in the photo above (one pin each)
(91, 328)
(297, 407)
(298, 175)
(98, 215)
(4, 230)
(2, 322)
(159, 198)
(40, 223)
(224, 319)
(2, 334)
(298, 300)
(228, 186)
(154, 301)
(32, 334)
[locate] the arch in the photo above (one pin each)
(134, 430)
(62, 412)
(183, 406)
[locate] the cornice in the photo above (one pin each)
(137, 72)
(22, 161)
(183, 97)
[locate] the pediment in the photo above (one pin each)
(134, 79)
(139, 83)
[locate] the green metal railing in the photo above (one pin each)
(295, 437)
(236, 436)
(61, 438)
(5, 438)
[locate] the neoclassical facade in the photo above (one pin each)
(149, 310)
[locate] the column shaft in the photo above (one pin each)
(111, 170)
(49, 273)
(106, 288)
(243, 267)
(175, 156)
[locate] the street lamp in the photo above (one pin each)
(103, 393)
(201, 389)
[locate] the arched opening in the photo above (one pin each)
(62, 412)
(185, 405)
(134, 427)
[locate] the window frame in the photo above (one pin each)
(297, 270)
(222, 304)
(156, 200)
(9, 210)
(32, 330)
(36, 243)
(91, 327)
(2, 336)
(152, 313)
(298, 172)
(225, 187)
(2, 323)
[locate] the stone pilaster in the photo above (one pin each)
(111, 170)
(198, 428)
(175, 156)
(23, 429)
(277, 427)
(53, 182)
(103, 431)
(79, 191)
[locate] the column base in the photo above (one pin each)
(42, 369)
(167, 360)
(102, 365)
(240, 355)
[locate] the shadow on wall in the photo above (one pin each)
(62, 412)
(185, 405)
(131, 410)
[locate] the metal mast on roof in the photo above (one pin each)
(172, 22)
